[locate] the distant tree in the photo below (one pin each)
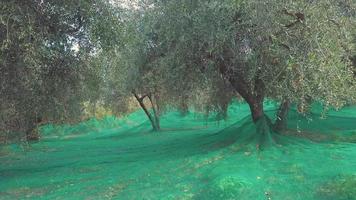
(131, 73)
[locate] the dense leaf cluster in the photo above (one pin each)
(45, 48)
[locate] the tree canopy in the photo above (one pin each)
(46, 48)
(56, 55)
(279, 50)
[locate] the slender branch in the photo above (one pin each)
(155, 111)
(143, 106)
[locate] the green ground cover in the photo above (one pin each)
(193, 157)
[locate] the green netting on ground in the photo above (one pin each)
(191, 158)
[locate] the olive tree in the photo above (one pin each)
(44, 60)
(289, 51)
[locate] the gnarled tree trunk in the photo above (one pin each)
(256, 107)
(253, 94)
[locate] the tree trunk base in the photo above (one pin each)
(154, 120)
(265, 133)
(282, 117)
(33, 135)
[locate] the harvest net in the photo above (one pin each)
(193, 157)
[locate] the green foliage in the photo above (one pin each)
(46, 48)
(296, 50)
(56, 55)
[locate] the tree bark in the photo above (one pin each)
(256, 107)
(148, 114)
(253, 94)
(31, 132)
(155, 109)
(282, 116)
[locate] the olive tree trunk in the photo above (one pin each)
(154, 120)
(282, 116)
(156, 110)
(31, 132)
